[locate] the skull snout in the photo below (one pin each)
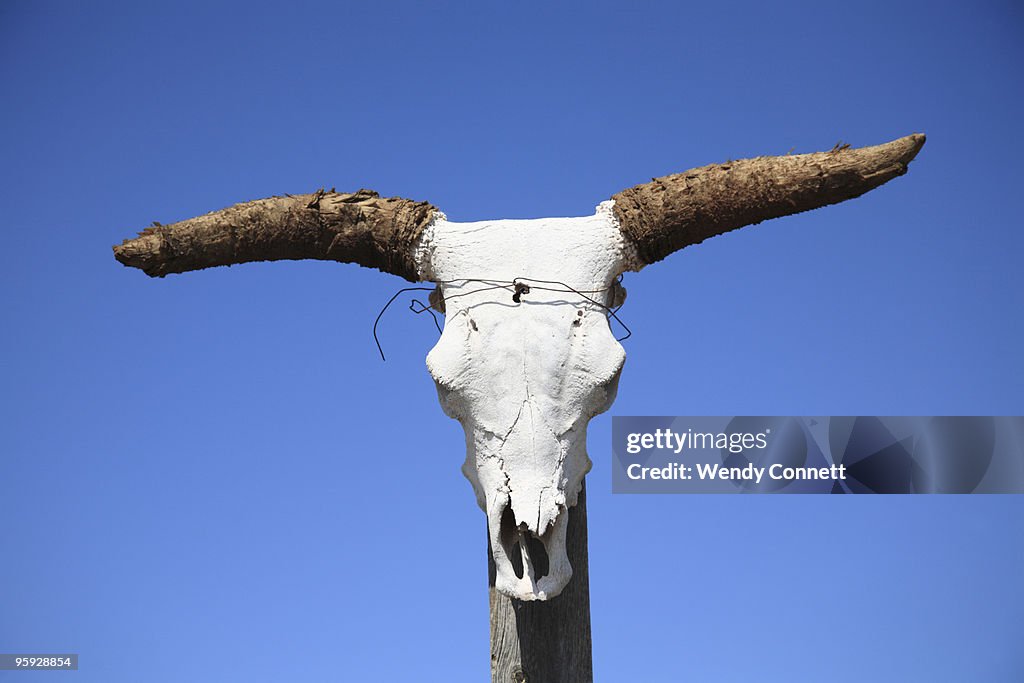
(523, 548)
(528, 566)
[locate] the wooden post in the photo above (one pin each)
(546, 641)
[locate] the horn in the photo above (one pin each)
(675, 211)
(358, 228)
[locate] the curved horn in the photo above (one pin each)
(675, 211)
(358, 228)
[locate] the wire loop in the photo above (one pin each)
(518, 288)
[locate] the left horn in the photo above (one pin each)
(675, 211)
(358, 228)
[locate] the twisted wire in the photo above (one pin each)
(518, 286)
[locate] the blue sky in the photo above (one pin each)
(214, 477)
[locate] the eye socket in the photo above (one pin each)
(616, 295)
(436, 299)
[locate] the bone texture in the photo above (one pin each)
(676, 211)
(361, 227)
(524, 379)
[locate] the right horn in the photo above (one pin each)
(675, 211)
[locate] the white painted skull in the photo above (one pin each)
(525, 378)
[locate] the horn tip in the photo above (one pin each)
(136, 253)
(913, 144)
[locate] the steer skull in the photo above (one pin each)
(526, 357)
(525, 375)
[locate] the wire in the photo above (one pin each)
(391, 301)
(517, 286)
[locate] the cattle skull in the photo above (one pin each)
(524, 377)
(526, 357)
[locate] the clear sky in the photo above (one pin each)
(213, 477)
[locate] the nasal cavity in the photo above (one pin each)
(522, 546)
